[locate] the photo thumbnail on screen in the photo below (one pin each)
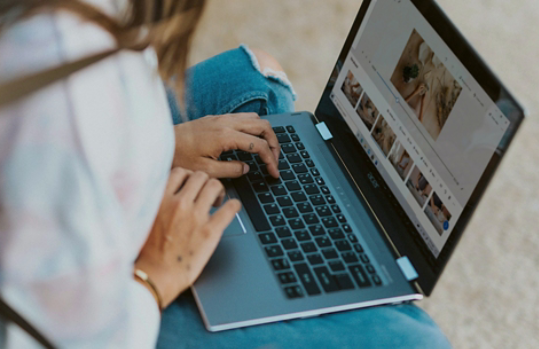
(367, 111)
(351, 88)
(426, 85)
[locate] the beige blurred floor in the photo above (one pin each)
(488, 296)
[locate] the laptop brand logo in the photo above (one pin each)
(373, 180)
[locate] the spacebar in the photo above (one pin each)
(251, 205)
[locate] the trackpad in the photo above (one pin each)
(234, 229)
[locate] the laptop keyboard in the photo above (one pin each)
(302, 230)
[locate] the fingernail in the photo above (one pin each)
(245, 168)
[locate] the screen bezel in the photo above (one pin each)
(380, 199)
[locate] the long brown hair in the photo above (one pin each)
(166, 25)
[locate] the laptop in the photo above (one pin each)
(376, 186)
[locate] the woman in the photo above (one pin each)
(103, 222)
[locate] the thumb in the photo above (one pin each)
(225, 169)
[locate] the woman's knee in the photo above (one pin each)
(267, 62)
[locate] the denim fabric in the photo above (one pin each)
(231, 83)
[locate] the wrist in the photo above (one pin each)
(142, 278)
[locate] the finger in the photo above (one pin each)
(258, 146)
(260, 128)
(176, 179)
(193, 185)
(212, 191)
(224, 169)
(222, 218)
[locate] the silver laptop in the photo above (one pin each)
(376, 187)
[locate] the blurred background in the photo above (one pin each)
(488, 296)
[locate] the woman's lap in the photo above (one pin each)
(231, 83)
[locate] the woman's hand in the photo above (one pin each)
(184, 235)
(199, 143)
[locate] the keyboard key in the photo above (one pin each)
(290, 129)
(252, 166)
(288, 148)
(293, 185)
(330, 253)
(296, 223)
(287, 278)
(295, 137)
(264, 170)
(317, 230)
(281, 156)
(343, 245)
(325, 190)
(300, 146)
(255, 176)
(265, 198)
(295, 256)
(315, 259)
(305, 178)
(290, 212)
(376, 280)
(344, 282)
(323, 211)
(323, 241)
(336, 208)
(359, 275)
(294, 159)
(289, 244)
(259, 160)
(352, 238)
(283, 165)
(283, 232)
(305, 207)
(358, 248)
(271, 209)
(280, 264)
(307, 279)
(251, 205)
(347, 228)
(329, 222)
(272, 180)
(229, 158)
(349, 257)
(330, 199)
(277, 221)
(317, 200)
(341, 218)
(336, 265)
(311, 189)
(315, 172)
(298, 196)
(326, 279)
(279, 129)
(364, 258)
(370, 269)
(320, 181)
(299, 168)
(310, 218)
(267, 238)
(260, 187)
(245, 156)
(279, 190)
(285, 201)
(293, 292)
(305, 154)
(336, 234)
(274, 251)
(283, 138)
(302, 235)
(309, 163)
(287, 175)
(309, 247)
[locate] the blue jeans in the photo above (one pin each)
(231, 83)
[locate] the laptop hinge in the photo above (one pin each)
(407, 268)
(324, 131)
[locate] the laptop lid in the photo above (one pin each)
(420, 123)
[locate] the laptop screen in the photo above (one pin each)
(426, 114)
